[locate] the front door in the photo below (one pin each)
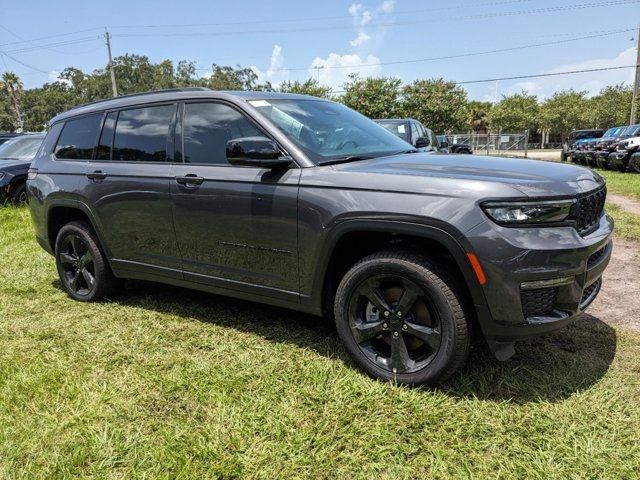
(236, 226)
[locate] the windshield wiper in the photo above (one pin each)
(351, 158)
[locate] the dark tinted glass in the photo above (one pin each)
(78, 138)
(141, 134)
(207, 129)
(106, 137)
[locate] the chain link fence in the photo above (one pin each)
(492, 143)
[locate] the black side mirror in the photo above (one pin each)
(255, 152)
(422, 142)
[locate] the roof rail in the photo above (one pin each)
(151, 92)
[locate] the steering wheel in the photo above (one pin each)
(347, 142)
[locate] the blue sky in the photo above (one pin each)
(285, 39)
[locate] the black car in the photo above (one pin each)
(620, 156)
(15, 158)
(303, 203)
(411, 131)
(602, 147)
(447, 147)
(569, 145)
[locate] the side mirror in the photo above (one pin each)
(423, 142)
(255, 152)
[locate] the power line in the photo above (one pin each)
(449, 57)
(50, 36)
(23, 63)
(609, 3)
(48, 46)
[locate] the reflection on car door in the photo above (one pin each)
(128, 186)
(236, 226)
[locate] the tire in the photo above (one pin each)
(19, 194)
(79, 260)
(634, 164)
(422, 346)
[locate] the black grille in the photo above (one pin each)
(590, 209)
(595, 257)
(587, 292)
(539, 302)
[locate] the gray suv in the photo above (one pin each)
(303, 203)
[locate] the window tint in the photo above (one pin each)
(141, 134)
(78, 138)
(207, 129)
(106, 138)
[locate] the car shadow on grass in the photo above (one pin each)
(548, 368)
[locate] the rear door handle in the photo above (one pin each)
(96, 176)
(190, 181)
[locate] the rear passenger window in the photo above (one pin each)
(207, 129)
(106, 137)
(141, 134)
(78, 138)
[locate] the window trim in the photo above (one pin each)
(181, 123)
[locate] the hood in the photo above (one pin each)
(12, 164)
(468, 176)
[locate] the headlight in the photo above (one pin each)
(529, 212)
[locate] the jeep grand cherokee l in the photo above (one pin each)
(303, 203)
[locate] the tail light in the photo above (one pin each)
(32, 173)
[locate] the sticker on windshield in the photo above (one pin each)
(260, 103)
(400, 128)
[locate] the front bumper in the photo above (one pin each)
(619, 159)
(516, 259)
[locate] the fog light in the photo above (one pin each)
(554, 282)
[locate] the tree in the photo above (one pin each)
(611, 106)
(516, 113)
(437, 103)
(378, 97)
(15, 88)
(229, 78)
(309, 87)
(478, 114)
(563, 112)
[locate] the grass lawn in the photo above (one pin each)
(165, 382)
(622, 183)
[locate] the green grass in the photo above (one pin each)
(627, 224)
(622, 183)
(167, 383)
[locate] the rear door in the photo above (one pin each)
(236, 226)
(127, 187)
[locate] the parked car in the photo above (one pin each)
(579, 151)
(620, 156)
(303, 203)
(15, 158)
(633, 148)
(5, 137)
(569, 145)
(411, 131)
(446, 147)
(602, 146)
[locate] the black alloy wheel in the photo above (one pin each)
(77, 264)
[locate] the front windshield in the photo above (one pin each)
(612, 132)
(328, 131)
(631, 131)
(22, 148)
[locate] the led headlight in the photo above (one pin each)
(529, 212)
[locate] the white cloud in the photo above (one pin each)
(387, 6)
(335, 69)
(53, 75)
(591, 82)
(275, 73)
(361, 16)
(360, 39)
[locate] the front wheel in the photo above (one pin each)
(402, 318)
(19, 194)
(634, 164)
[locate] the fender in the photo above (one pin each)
(435, 230)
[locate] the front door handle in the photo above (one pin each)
(190, 181)
(96, 176)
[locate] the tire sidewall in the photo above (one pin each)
(441, 362)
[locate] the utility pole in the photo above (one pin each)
(636, 82)
(317, 68)
(113, 73)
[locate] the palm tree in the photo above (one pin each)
(14, 87)
(478, 116)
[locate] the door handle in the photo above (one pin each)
(190, 181)
(96, 176)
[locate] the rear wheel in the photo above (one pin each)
(634, 164)
(401, 318)
(84, 272)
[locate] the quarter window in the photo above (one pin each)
(207, 129)
(141, 134)
(78, 138)
(106, 137)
